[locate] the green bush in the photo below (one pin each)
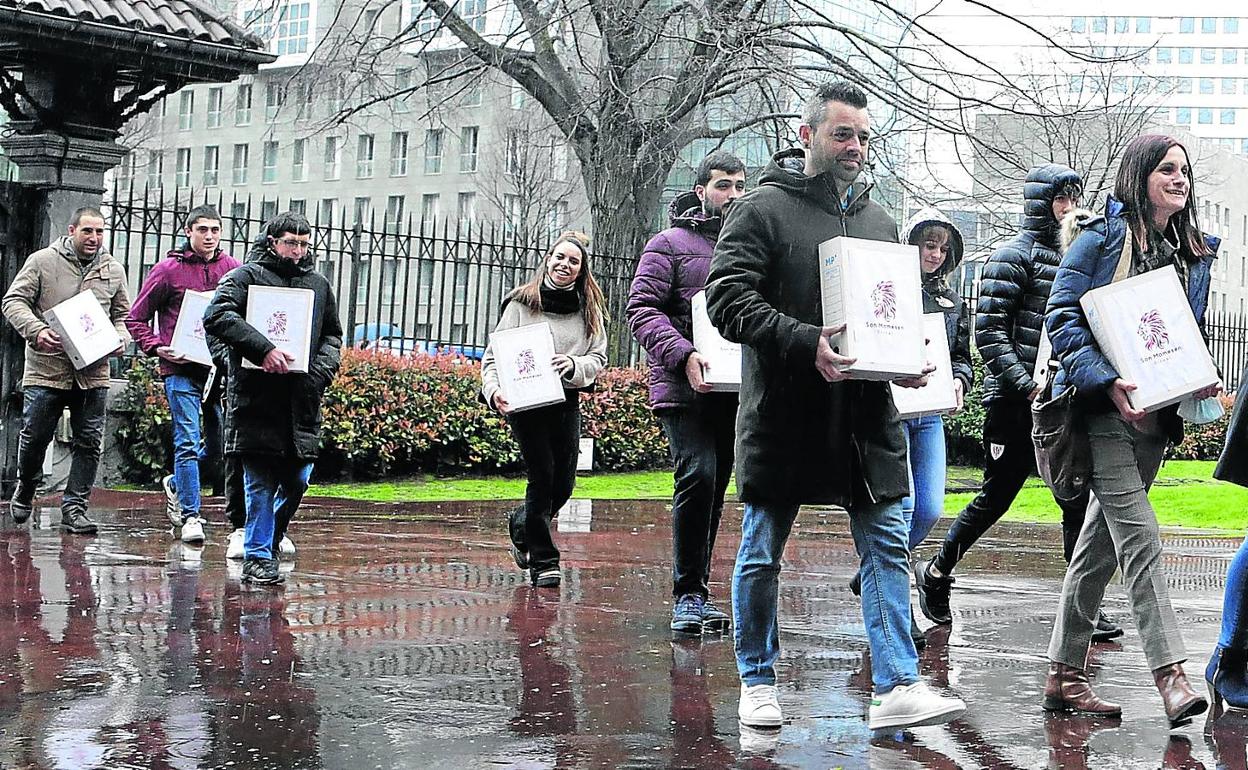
(145, 432)
(388, 416)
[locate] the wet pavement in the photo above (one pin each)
(406, 638)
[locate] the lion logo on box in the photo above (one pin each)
(277, 324)
(1152, 331)
(884, 300)
(526, 362)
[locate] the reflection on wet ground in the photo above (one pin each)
(406, 638)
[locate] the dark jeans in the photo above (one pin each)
(701, 437)
(1011, 458)
(548, 437)
(41, 408)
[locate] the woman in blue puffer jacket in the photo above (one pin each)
(1154, 205)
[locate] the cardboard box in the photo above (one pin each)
(723, 358)
(86, 331)
(1145, 327)
(873, 288)
(938, 395)
(526, 375)
(189, 339)
(284, 317)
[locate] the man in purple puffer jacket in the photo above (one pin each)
(700, 425)
(199, 266)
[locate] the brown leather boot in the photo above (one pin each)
(1181, 701)
(1067, 689)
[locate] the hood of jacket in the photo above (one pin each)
(1041, 187)
(64, 246)
(685, 211)
(933, 216)
(187, 255)
(786, 170)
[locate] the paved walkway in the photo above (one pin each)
(405, 638)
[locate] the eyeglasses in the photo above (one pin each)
(291, 243)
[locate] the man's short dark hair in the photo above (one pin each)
(200, 212)
(1070, 190)
(718, 161)
(85, 211)
(291, 222)
(841, 91)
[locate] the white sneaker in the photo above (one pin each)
(912, 705)
(759, 706)
(286, 547)
(193, 530)
(234, 545)
(173, 509)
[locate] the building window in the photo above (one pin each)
(558, 158)
(427, 20)
(433, 151)
(273, 97)
(424, 284)
(155, 168)
(362, 205)
(298, 205)
(1078, 24)
(182, 167)
(1227, 118)
(1230, 25)
(1099, 24)
(1187, 25)
(1208, 55)
(364, 156)
(511, 216)
(242, 105)
(473, 93)
(1230, 56)
(1143, 24)
(325, 213)
(304, 95)
(402, 89)
(429, 208)
(394, 212)
(1185, 55)
(1118, 84)
(1121, 24)
(363, 269)
(1208, 25)
(299, 166)
(465, 208)
(186, 110)
(558, 219)
(268, 210)
(398, 153)
(1228, 85)
(468, 149)
(514, 153)
(212, 166)
(459, 289)
(293, 28)
(389, 278)
(1163, 55)
(333, 154)
(268, 174)
(240, 164)
(1204, 116)
(1183, 116)
(1206, 85)
(215, 97)
(473, 13)
(1185, 85)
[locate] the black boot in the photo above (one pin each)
(1105, 628)
(934, 595)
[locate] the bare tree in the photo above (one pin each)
(528, 178)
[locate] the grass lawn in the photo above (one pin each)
(1184, 495)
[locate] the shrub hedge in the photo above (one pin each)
(385, 415)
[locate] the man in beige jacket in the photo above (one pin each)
(74, 263)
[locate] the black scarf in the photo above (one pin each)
(560, 301)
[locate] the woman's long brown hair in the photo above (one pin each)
(1142, 156)
(592, 300)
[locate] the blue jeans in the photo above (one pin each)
(41, 409)
(925, 440)
(1234, 624)
(880, 535)
(191, 446)
(274, 488)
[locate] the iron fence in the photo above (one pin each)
(403, 285)
(420, 285)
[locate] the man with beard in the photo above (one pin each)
(806, 432)
(699, 424)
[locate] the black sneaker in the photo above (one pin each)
(22, 504)
(515, 533)
(714, 620)
(934, 595)
(855, 584)
(76, 522)
(547, 578)
(687, 614)
(1105, 629)
(261, 572)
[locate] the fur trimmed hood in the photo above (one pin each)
(1072, 224)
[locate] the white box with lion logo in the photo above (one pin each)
(1145, 327)
(189, 339)
(86, 332)
(873, 288)
(284, 316)
(526, 375)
